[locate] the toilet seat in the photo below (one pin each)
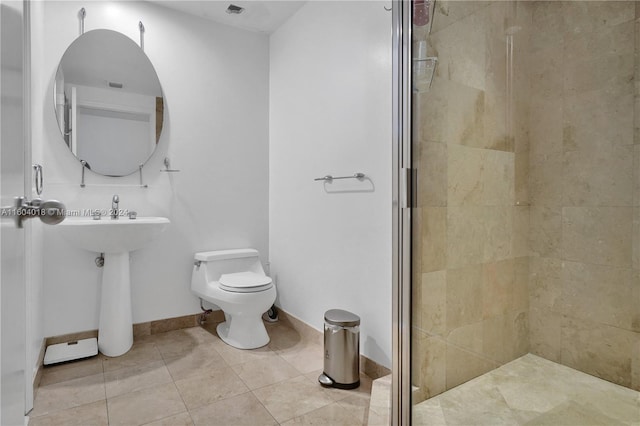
(245, 282)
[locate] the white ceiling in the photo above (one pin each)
(259, 15)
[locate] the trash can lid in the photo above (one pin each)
(341, 318)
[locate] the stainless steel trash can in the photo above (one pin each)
(341, 350)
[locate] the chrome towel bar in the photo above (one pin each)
(329, 178)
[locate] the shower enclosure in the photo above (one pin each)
(525, 214)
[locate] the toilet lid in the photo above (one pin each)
(245, 282)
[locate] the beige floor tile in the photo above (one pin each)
(182, 419)
(358, 405)
(239, 410)
(235, 356)
(93, 414)
(305, 358)
(570, 414)
(71, 370)
(207, 389)
(140, 354)
(256, 374)
(283, 337)
(199, 361)
(145, 406)
(292, 398)
(132, 379)
(68, 394)
(333, 414)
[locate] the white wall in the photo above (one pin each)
(330, 113)
(215, 80)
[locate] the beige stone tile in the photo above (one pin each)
(428, 413)
(544, 333)
(140, 353)
(545, 187)
(595, 16)
(466, 234)
(636, 167)
(332, 414)
(202, 359)
(145, 406)
(131, 379)
(432, 107)
(498, 223)
(234, 356)
(521, 177)
(433, 302)
(463, 366)
(304, 358)
(498, 283)
(597, 349)
(211, 387)
(464, 296)
(239, 410)
(448, 12)
(602, 294)
(598, 178)
(520, 300)
(308, 334)
(292, 398)
(465, 175)
(545, 282)
(635, 364)
(572, 413)
(358, 406)
(432, 174)
(550, 17)
(256, 374)
(434, 238)
(498, 178)
(283, 337)
(182, 419)
(141, 330)
(545, 235)
(428, 357)
(461, 54)
(179, 342)
(68, 394)
(593, 73)
(599, 119)
(468, 337)
(92, 414)
(616, 40)
(72, 370)
(520, 232)
(599, 235)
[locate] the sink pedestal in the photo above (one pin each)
(115, 334)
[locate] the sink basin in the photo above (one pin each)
(115, 238)
(112, 236)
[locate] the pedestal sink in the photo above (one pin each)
(115, 238)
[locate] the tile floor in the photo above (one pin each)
(532, 391)
(190, 376)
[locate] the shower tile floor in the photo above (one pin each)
(190, 376)
(532, 391)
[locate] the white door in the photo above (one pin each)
(12, 239)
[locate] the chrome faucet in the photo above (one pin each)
(114, 206)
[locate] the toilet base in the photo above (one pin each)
(243, 332)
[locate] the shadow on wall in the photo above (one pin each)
(374, 351)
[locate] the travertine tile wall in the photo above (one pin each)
(583, 183)
(470, 263)
(529, 233)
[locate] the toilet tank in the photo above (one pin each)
(229, 261)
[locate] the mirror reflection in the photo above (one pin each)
(108, 102)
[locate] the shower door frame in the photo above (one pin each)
(402, 203)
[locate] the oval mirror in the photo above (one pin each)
(108, 102)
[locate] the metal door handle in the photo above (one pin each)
(50, 212)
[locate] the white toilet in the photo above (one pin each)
(235, 281)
